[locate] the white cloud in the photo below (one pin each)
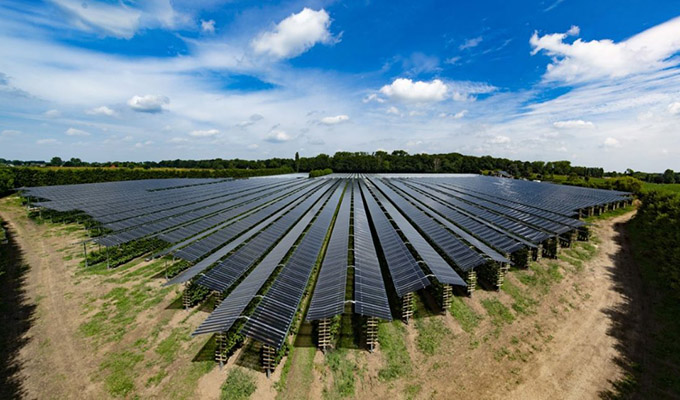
(582, 61)
(10, 132)
(53, 113)
(178, 140)
(277, 136)
(139, 145)
(76, 132)
(47, 141)
(296, 34)
(103, 110)
(500, 139)
(573, 123)
(418, 91)
(373, 97)
(452, 60)
(334, 120)
(204, 133)
(611, 142)
(115, 20)
(470, 43)
(458, 115)
(208, 26)
(674, 108)
(250, 121)
(253, 146)
(149, 103)
(393, 110)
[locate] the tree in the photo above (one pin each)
(297, 162)
(669, 176)
(56, 161)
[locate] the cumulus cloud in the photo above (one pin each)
(296, 34)
(277, 136)
(139, 145)
(393, 110)
(149, 103)
(582, 61)
(674, 108)
(470, 43)
(76, 132)
(418, 91)
(204, 133)
(611, 142)
(208, 26)
(458, 115)
(373, 97)
(103, 110)
(338, 119)
(573, 123)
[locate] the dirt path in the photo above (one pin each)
(55, 363)
(581, 361)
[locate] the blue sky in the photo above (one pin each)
(596, 83)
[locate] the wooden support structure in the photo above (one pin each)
(407, 307)
(550, 247)
(85, 252)
(471, 280)
(221, 348)
(583, 234)
(501, 270)
(186, 299)
(447, 297)
(537, 252)
(324, 334)
(217, 298)
(268, 359)
(371, 333)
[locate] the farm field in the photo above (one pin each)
(120, 333)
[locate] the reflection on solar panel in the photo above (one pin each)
(234, 266)
(439, 267)
(453, 247)
(370, 296)
(272, 318)
(328, 299)
(231, 308)
(404, 270)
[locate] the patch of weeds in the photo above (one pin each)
(156, 379)
(539, 277)
(499, 313)
(466, 316)
(431, 332)
(411, 391)
(523, 303)
(239, 385)
(501, 353)
(343, 375)
(120, 379)
(168, 347)
(392, 345)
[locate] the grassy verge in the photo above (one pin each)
(523, 303)
(498, 313)
(296, 377)
(239, 385)
(393, 347)
(342, 370)
(431, 332)
(466, 317)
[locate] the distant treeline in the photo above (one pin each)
(46, 176)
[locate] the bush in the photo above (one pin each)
(320, 172)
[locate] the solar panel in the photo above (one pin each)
(370, 296)
(404, 270)
(459, 252)
(271, 320)
(328, 299)
(436, 264)
(495, 237)
(231, 308)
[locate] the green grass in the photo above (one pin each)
(168, 347)
(431, 332)
(540, 277)
(342, 370)
(393, 347)
(662, 187)
(523, 302)
(610, 214)
(412, 391)
(466, 317)
(120, 377)
(239, 385)
(297, 375)
(498, 313)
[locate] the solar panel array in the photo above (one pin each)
(402, 233)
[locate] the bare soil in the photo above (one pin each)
(564, 350)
